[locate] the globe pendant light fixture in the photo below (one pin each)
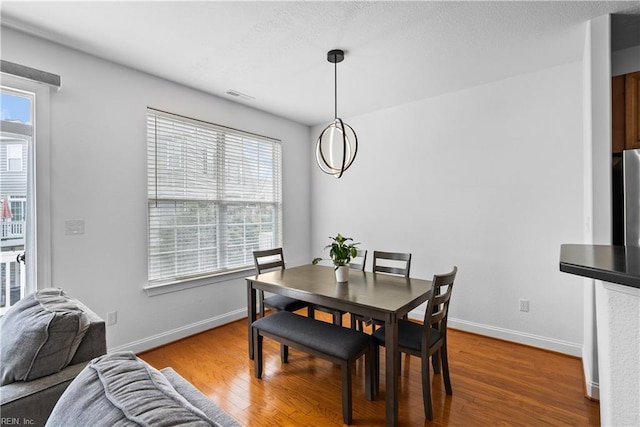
(337, 145)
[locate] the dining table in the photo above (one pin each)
(379, 296)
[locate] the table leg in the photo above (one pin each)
(251, 314)
(391, 357)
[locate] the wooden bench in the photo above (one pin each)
(325, 340)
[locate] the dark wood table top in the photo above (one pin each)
(614, 264)
(365, 291)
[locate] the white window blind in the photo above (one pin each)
(214, 197)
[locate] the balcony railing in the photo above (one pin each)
(12, 280)
(12, 229)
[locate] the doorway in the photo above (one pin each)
(24, 191)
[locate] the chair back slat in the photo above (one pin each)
(268, 260)
(441, 306)
(359, 261)
(438, 305)
(392, 263)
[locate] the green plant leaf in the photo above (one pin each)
(340, 251)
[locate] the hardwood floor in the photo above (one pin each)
(494, 383)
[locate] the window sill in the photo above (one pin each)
(180, 285)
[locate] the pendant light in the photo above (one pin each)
(337, 144)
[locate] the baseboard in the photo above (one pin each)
(532, 340)
(546, 343)
(179, 333)
(592, 391)
(591, 388)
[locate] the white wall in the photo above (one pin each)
(617, 313)
(489, 179)
(599, 65)
(98, 174)
(619, 355)
(590, 347)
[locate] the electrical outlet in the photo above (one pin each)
(112, 318)
(524, 305)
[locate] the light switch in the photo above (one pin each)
(74, 226)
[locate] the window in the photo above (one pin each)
(18, 208)
(214, 197)
(14, 157)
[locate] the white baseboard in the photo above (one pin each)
(546, 343)
(463, 325)
(591, 388)
(179, 333)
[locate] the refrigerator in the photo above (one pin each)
(631, 196)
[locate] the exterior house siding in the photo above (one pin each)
(13, 184)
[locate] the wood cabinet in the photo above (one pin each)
(632, 110)
(617, 114)
(625, 112)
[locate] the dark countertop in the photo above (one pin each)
(615, 264)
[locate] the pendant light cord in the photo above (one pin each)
(335, 79)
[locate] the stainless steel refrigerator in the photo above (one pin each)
(631, 188)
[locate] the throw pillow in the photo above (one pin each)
(40, 335)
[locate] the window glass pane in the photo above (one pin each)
(214, 196)
(15, 108)
(17, 105)
(14, 157)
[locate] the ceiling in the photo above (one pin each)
(275, 52)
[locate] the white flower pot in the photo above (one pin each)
(342, 273)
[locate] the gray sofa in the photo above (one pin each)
(33, 400)
(54, 372)
(121, 389)
(199, 400)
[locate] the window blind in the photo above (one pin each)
(214, 197)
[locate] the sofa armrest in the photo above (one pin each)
(32, 401)
(199, 400)
(94, 342)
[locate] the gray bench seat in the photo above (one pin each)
(325, 340)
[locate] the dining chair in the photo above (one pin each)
(425, 340)
(392, 263)
(397, 263)
(268, 260)
(336, 314)
(359, 261)
(356, 263)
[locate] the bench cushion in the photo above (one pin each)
(324, 337)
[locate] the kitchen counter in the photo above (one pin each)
(616, 294)
(614, 264)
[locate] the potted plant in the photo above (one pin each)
(342, 250)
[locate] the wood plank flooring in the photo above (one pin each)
(494, 383)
